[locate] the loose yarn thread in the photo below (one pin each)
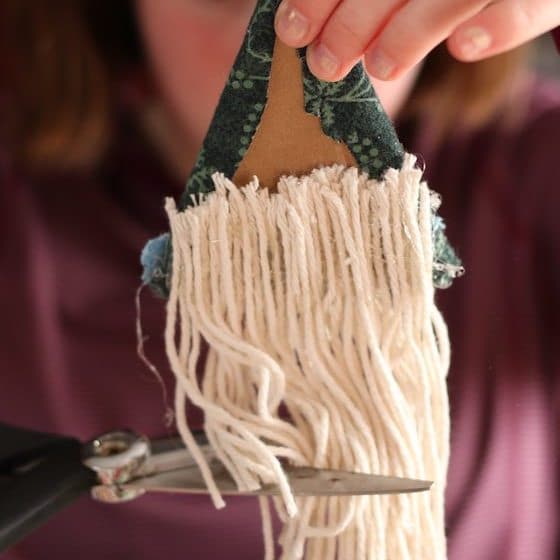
(318, 297)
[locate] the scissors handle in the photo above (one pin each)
(40, 474)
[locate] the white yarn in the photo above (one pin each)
(318, 297)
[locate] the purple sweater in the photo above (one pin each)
(69, 249)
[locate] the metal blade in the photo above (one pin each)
(304, 481)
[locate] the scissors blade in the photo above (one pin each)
(304, 481)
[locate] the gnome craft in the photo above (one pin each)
(305, 253)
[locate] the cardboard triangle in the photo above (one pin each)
(289, 140)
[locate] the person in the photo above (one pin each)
(104, 106)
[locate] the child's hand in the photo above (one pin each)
(396, 34)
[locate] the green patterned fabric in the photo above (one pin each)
(240, 107)
(349, 111)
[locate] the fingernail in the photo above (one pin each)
(326, 60)
(380, 65)
(291, 24)
(473, 41)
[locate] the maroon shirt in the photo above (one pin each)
(69, 250)
(556, 36)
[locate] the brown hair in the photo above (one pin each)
(60, 67)
(58, 72)
(453, 94)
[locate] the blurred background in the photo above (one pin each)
(546, 57)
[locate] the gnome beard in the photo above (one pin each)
(318, 297)
(315, 294)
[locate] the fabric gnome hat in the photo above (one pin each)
(305, 253)
(349, 112)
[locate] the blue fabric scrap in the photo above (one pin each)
(156, 262)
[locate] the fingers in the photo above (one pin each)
(346, 35)
(502, 26)
(338, 32)
(414, 31)
(394, 35)
(298, 22)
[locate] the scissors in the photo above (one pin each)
(42, 473)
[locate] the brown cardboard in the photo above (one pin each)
(289, 141)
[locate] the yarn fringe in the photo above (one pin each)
(326, 349)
